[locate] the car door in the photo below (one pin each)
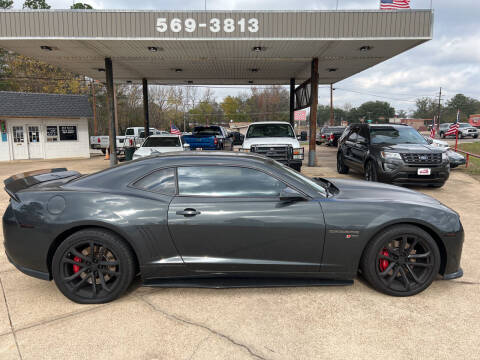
(231, 219)
(360, 148)
(348, 147)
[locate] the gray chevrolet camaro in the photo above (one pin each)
(223, 220)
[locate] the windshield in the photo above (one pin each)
(167, 141)
(129, 132)
(396, 135)
(463, 125)
(211, 130)
(270, 130)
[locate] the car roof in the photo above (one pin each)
(164, 135)
(382, 125)
(269, 122)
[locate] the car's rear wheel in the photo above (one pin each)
(401, 261)
(370, 171)
(93, 266)
(341, 167)
(442, 135)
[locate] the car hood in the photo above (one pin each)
(359, 190)
(147, 151)
(270, 141)
(409, 148)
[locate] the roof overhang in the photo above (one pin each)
(345, 42)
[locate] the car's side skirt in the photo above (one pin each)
(243, 282)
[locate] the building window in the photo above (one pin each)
(33, 134)
(18, 134)
(68, 132)
(52, 133)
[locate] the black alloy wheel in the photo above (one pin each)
(93, 266)
(341, 167)
(401, 261)
(370, 171)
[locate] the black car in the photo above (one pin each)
(237, 137)
(223, 220)
(329, 135)
(392, 153)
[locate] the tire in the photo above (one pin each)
(461, 135)
(475, 136)
(442, 135)
(370, 173)
(113, 267)
(104, 151)
(391, 270)
(341, 167)
(296, 167)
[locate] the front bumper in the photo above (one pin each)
(403, 174)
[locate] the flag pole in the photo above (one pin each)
(458, 127)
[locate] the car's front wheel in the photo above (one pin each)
(93, 266)
(401, 261)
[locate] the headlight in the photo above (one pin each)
(444, 156)
(390, 155)
(298, 153)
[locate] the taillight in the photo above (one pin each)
(99, 140)
(215, 141)
(323, 136)
(332, 137)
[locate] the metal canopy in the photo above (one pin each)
(220, 47)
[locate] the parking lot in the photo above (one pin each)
(443, 322)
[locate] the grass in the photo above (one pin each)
(474, 163)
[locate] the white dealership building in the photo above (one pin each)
(43, 126)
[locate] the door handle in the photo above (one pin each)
(188, 212)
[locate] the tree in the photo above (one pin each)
(426, 108)
(231, 107)
(35, 4)
(81, 6)
(377, 111)
(402, 114)
(6, 4)
(465, 104)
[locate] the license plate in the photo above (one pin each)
(424, 171)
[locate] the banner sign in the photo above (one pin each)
(300, 115)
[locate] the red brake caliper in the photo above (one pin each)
(76, 268)
(383, 262)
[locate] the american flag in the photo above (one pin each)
(174, 130)
(453, 129)
(394, 4)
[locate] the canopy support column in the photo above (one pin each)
(292, 102)
(312, 159)
(111, 111)
(146, 119)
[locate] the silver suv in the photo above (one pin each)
(464, 130)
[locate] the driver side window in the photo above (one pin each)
(353, 135)
(227, 181)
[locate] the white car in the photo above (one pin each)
(157, 144)
(276, 140)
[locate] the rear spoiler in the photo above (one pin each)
(25, 180)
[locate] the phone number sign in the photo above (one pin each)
(213, 25)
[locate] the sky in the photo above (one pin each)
(451, 60)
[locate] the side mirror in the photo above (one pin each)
(289, 194)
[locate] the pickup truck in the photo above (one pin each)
(102, 142)
(209, 138)
(275, 140)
